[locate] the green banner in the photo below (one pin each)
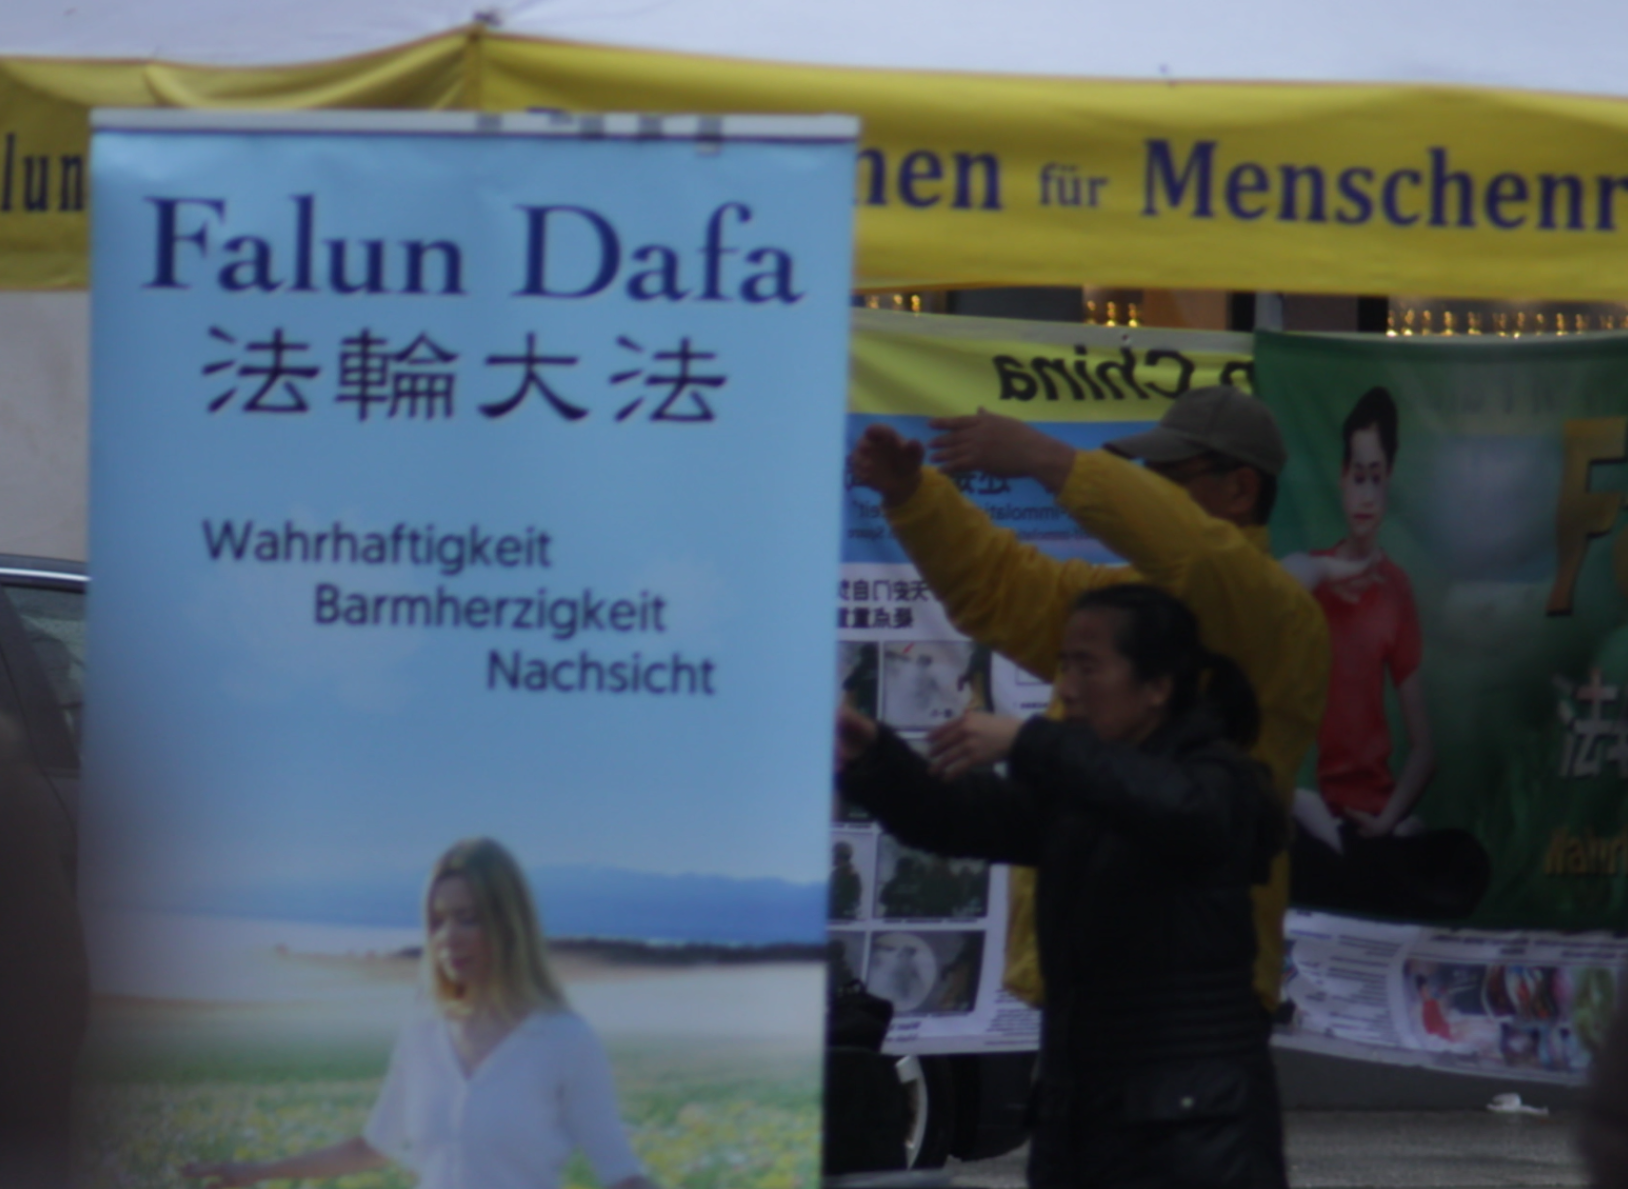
(1456, 506)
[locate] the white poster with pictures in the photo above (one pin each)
(925, 932)
(1532, 1006)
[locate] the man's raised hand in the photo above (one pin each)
(888, 463)
(1001, 446)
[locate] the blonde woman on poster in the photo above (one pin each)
(500, 1083)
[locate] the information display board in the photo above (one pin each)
(462, 477)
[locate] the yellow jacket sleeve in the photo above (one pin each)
(1160, 530)
(1001, 592)
(1247, 605)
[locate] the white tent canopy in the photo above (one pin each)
(1580, 49)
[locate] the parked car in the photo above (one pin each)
(44, 989)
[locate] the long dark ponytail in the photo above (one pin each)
(1158, 634)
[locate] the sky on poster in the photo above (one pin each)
(1502, 44)
(235, 742)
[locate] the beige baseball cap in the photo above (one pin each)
(1220, 420)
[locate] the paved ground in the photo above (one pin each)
(1386, 1149)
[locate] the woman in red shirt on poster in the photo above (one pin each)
(1373, 628)
(1350, 852)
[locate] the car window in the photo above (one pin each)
(55, 621)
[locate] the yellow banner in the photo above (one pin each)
(981, 179)
(45, 109)
(926, 366)
(968, 179)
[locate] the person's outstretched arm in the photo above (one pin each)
(1305, 569)
(978, 815)
(1003, 593)
(1350, 576)
(1194, 810)
(1002, 446)
(337, 1160)
(1144, 518)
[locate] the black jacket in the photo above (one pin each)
(1604, 1131)
(1145, 858)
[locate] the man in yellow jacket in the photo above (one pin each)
(1191, 519)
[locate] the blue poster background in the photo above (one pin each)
(627, 357)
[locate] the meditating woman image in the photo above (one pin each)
(497, 1081)
(1359, 846)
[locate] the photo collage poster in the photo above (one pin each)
(920, 930)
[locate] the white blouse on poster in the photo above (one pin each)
(544, 1091)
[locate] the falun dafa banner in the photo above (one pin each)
(967, 179)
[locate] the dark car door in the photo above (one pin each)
(42, 650)
(43, 976)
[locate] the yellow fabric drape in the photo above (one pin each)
(983, 179)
